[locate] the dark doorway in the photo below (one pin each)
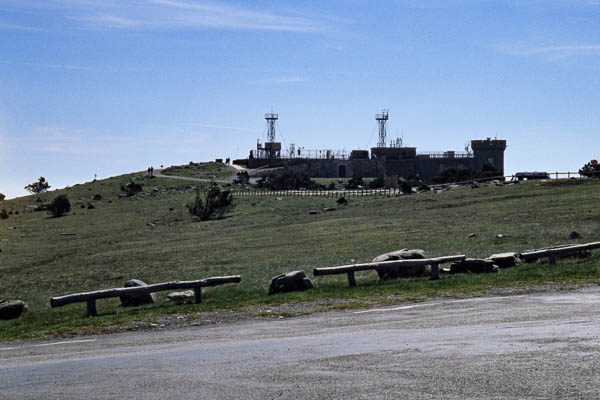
(341, 171)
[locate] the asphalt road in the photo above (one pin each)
(522, 347)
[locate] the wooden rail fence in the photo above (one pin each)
(91, 297)
(553, 253)
(352, 268)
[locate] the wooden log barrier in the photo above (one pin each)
(91, 297)
(553, 253)
(352, 268)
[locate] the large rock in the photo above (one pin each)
(474, 265)
(290, 282)
(137, 300)
(401, 272)
(186, 296)
(505, 260)
(11, 309)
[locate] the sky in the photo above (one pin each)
(101, 88)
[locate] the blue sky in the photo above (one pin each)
(107, 87)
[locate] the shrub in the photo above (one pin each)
(377, 183)
(452, 174)
(423, 187)
(288, 180)
(59, 206)
(590, 169)
(242, 178)
(132, 188)
(3, 214)
(213, 205)
(38, 187)
(405, 187)
(331, 186)
(355, 183)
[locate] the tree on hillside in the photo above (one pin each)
(38, 187)
(59, 206)
(2, 196)
(591, 169)
(213, 205)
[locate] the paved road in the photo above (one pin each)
(522, 347)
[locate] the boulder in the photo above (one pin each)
(139, 299)
(11, 309)
(290, 282)
(186, 296)
(505, 260)
(474, 265)
(401, 272)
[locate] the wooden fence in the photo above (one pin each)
(374, 192)
(91, 297)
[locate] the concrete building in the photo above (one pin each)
(383, 160)
(386, 161)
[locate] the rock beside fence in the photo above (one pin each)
(187, 296)
(505, 260)
(473, 265)
(401, 272)
(11, 309)
(290, 282)
(133, 300)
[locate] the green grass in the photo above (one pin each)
(264, 237)
(206, 170)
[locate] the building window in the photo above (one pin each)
(491, 160)
(460, 166)
(442, 167)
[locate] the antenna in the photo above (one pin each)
(271, 118)
(382, 121)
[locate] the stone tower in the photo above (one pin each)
(489, 151)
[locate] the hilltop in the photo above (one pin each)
(152, 237)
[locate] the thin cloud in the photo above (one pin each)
(174, 14)
(110, 21)
(279, 81)
(22, 28)
(553, 52)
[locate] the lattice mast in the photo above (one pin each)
(271, 119)
(382, 122)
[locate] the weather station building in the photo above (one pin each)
(383, 160)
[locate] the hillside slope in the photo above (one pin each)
(152, 237)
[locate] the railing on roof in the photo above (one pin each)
(446, 154)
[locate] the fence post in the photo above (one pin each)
(198, 295)
(351, 280)
(435, 272)
(91, 308)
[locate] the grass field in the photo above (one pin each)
(264, 237)
(209, 170)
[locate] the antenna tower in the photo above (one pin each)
(271, 118)
(382, 121)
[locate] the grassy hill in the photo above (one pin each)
(152, 237)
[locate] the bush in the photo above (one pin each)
(355, 183)
(377, 183)
(213, 205)
(590, 169)
(405, 187)
(331, 186)
(288, 180)
(59, 206)
(132, 188)
(450, 175)
(38, 187)
(242, 178)
(3, 214)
